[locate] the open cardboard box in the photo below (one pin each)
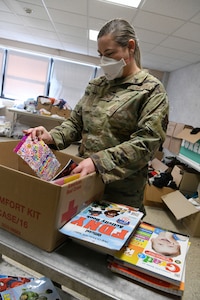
(183, 210)
(186, 180)
(152, 194)
(34, 209)
(190, 148)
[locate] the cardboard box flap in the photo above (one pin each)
(179, 127)
(186, 135)
(170, 128)
(177, 175)
(158, 165)
(179, 205)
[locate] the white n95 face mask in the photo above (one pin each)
(112, 68)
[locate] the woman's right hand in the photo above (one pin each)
(41, 133)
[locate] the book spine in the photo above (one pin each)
(20, 143)
(66, 179)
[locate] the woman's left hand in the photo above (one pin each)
(85, 167)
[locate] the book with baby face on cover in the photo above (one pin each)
(155, 251)
(38, 156)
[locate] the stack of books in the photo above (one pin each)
(155, 257)
(138, 251)
(103, 226)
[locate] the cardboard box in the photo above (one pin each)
(65, 113)
(34, 209)
(52, 109)
(153, 194)
(159, 155)
(190, 148)
(169, 134)
(158, 165)
(183, 210)
(44, 102)
(172, 141)
(186, 179)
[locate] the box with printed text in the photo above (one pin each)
(34, 209)
(190, 147)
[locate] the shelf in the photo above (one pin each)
(22, 112)
(37, 115)
(189, 162)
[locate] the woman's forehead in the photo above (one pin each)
(106, 42)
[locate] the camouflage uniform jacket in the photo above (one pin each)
(121, 124)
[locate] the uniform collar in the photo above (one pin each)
(135, 79)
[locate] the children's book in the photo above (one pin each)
(66, 179)
(8, 282)
(103, 225)
(149, 280)
(66, 171)
(65, 176)
(155, 251)
(42, 288)
(38, 156)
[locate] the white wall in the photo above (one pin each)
(183, 90)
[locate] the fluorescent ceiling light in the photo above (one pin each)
(131, 3)
(93, 35)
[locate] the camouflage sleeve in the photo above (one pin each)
(131, 156)
(70, 130)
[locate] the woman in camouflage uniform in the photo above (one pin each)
(121, 120)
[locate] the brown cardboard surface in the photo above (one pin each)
(178, 128)
(153, 194)
(170, 131)
(185, 135)
(65, 113)
(189, 183)
(175, 145)
(34, 209)
(158, 165)
(183, 210)
(172, 141)
(159, 155)
(187, 180)
(170, 128)
(179, 205)
(53, 109)
(177, 175)
(166, 143)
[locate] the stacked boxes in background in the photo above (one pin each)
(184, 143)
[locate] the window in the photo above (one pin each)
(1, 67)
(69, 80)
(26, 75)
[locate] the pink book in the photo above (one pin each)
(38, 156)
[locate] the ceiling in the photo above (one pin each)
(168, 30)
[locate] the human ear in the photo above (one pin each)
(131, 45)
